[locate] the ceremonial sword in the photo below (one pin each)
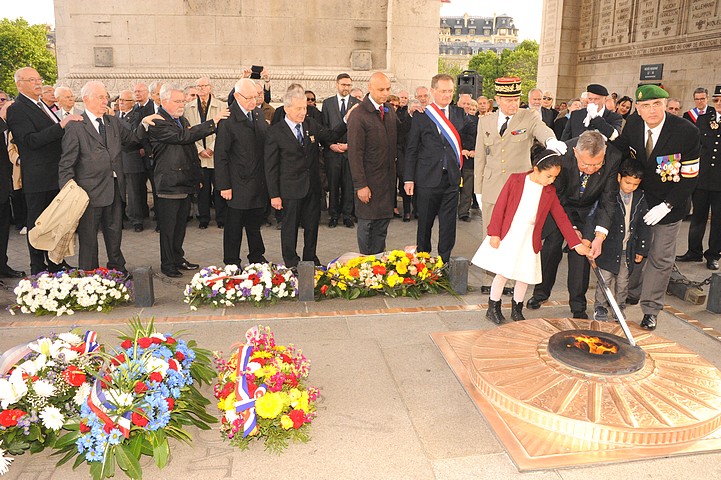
(612, 301)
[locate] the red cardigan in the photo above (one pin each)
(507, 204)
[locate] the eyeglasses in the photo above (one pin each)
(203, 86)
(548, 98)
(649, 106)
(32, 80)
(593, 165)
(716, 99)
(126, 100)
(311, 99)
(247, 98)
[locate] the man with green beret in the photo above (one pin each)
(668, 148)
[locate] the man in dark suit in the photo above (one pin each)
(133, 166)
(587, 183)
(177, 174)
(92, 156)
(700, 98)
(668, 148)
(433, 165)
(548, 113)
(372, 142)
(6, 186)
(594, 117)
(340, 183)
(292, 174)
(707, 195)
(143, 107)
(37, 132)
(240, 174)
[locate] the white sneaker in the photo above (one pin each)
(24, 231)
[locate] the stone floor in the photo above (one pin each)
(390, 407)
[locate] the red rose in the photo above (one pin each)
(170, 340)
(227, 389)
(379, 269)
(170, 402)
(140, 387)
(155, 377)
(118, 359)
(9, 418)
(145, 342)
(126, 344)
(323, 289)
(409, 281)
(138, 418)
(84, 427)
(298, 417)
(179, 356)
(74, 376)
(156, 340)
(173, 364)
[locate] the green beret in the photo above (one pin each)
(650, 92)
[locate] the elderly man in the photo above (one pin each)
(240, 173)
(535, 99)
(177, 173)
(49, 99)
(133, 166)
(595, 116)
(484, 106)
(548, 113)
(668, 148)
(66, 102)
(403, 97)
(92, 157)
(587, 183)
(206, 106)
(37, 133)
(372, 151)
(673, 106)
(422, 96)
(700, 98)
(144, 106)
(265, 107)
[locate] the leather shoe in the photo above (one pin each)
(534, 303)
(649, 322)
(582, 315)
(186, 265)
(332, 223)
(172, 273)
(711, 264)
(138, 228)
(687, 257)
(221, 225)
(465, 218)
(203, 225)
(8, 272)
(348, 223)
(632, 300)
(406, 218)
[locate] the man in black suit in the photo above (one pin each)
(292, 174)
(433, 165)
(668, 148)
(548, 113)
(37, 132)
(6, 181)
(340, 183)
(177, 174)
(143, 107)
(700, 98)
(707, 195)
(587, 183)
(133, 166)
(594, 117)
(240, 174)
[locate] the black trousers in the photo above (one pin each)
(37, 202)
(404, 196)
(172, 218)
(441, 202)
(703, 201)
(109, 220)
(235, 221)
(205, 194)
(4, 232)
(137, 193)
(340, 186)
(297, 212)
(372, 235)
(579, 269)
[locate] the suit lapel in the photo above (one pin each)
(37, 112)
(663, 138)
(90, 128)
(110, 133)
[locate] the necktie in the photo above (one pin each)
(177, 120)
(380, 109)
(342, 107)
(299, 134)
(250, 118)
(101, 130)
(122, 115)
(50, 114)
(204, 106)
(504, 126)
(584, 182)
(649, 144)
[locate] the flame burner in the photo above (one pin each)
(614, 355)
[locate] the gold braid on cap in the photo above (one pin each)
(506, 88)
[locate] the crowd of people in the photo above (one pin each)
(610, 176)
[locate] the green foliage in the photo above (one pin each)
(450, 68)
(24, 45)
(521, 62)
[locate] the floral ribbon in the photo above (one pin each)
(13, 355)
(90, 342)
(100, 406)
(245, 404)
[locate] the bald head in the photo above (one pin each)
(379, 87)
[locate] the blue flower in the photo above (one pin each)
(93, 456)
(115, 437)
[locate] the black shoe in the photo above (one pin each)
(632, 300)
(485, 289)
(279, 226)
(711, 264)
(186, 265)
(517, 311)
(126, 275)
(221, 225)
(533, 303)
(494, 312)
(203, 225)
(582, 315)
(396, 215)
(508, 291)
(332, 223)
(406, 218)
(39, 270)
(649, 321)
(465, 218)
(8, 272)
(157, 229)
(688, 257)
(171, 273)
(138, 228)
(64, 266)
(348, 223)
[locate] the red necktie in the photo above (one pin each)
(380, 109)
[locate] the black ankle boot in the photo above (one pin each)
(494, 312)
(517, 311)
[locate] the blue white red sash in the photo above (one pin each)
(244, 402)
(447, 130)
(693, 113)
(100, 406)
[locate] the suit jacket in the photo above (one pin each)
(92, 164)
(239, 163)
(372, 149)
(709, 176)
(332, 117)
(600, 192)
(141, 112)
(548, 115)
(38, 139)
(559, 125)
(192, 113)
(498, 157)
(132, 159)
(693, 114)
(678, 138)
(507, 204)
(312, 112)
(6, 168)
(291, 169)
(607, 123)
(177, 166)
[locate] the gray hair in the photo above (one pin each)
(89, 86)
(295, 90)
(153, 86)
(535, 90)
(243, 81)
(591, 142)
(672, 99)
(60, 90)
(167, 89)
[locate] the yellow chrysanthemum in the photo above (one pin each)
(392, 280)
(228, 403)
(304, 402)
(261, 354)
(270, 405)
(342, 285)
(401, 268)
(286, 422)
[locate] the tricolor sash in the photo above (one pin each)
(693, 113)
(100, 406)
(447, 129)
(244, 401)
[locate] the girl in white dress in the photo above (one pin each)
(512, 247)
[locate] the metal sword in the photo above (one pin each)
(612, 301)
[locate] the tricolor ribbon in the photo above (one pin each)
(100, 406)
(90, 341)
(245, 404)
(447, 129)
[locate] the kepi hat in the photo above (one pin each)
(717, 91)
(508, 87)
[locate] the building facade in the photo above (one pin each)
(460, 38)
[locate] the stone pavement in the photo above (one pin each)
(390, 408)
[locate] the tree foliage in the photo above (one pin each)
(450, 68)
(24, 45)
(521, 62)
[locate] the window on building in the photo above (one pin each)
(472, 31)
(458, 31)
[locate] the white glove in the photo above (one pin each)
(591, 113)
(656, 214)
(478, 198)
(557, 146)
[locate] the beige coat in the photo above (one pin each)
(193, 116)
(15, 160)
